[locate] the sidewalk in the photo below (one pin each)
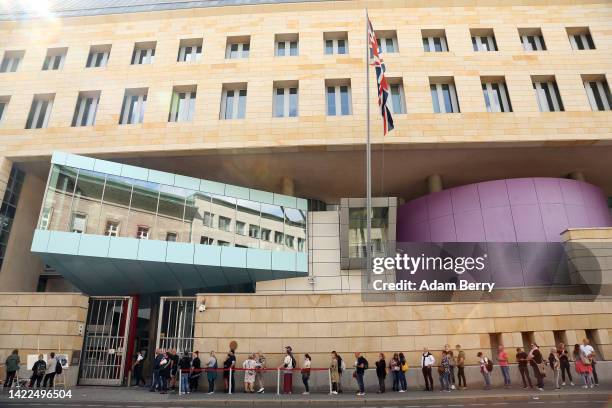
(142, 395)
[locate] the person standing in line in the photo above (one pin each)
(249, 373)
(341, 368)
(427, 362)
(288, 364)
(555, 365)
(582, 369)
(537, 363)
(521, 359)
(137, 369)
(165, 371)
(211, 372)
(502, 360)
(38, 371)
(50, 372)
(259, 374)
(452, 361)
(334, 372)
(485, 369)
(174, 366)
(228, 372)
(445, 371)
(156, 381)
(381, 373)
(589, 353)
(564, 359)
(361, 364)
(12, 366)
(306, 373)
(461, 366)
(194, 378)
(403, 369)
(394, 367)
(185, 366)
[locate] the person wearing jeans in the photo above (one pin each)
(537, 360)
(502, 359)
(484, 370)
(403, 365)
(445, 372)
(555, 366)
(306, 373)
(381, 372)
(360, 366)
(427, 361)
(521, 359)
(394, 367)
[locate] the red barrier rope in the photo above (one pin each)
(254, 369)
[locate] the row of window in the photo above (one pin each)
(338, 100)
(335, 43)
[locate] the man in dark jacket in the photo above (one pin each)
(38, 371)
(156, 382)
(185, 366)
(165, 370)
(536, 360)
(195, 374)
(12, 366)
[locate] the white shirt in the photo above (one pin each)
(587, 350)
(427, 360)
(51, 363)
(306, 363)
(288, 362)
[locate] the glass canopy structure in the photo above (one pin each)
(112, 228)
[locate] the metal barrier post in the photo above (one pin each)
(330, 382)
(278, 381)
(180, 380)
(230, 381)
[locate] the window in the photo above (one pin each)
(597, 91)
(483, 40)
(278, 237)
(233, 101)
(387, 41)
(144, 53)
(444, 95)
(238, 47)
(98, 56)
(222, 243)
(301, 242)
(206, 241)
(338, 97)
(336, 43)
(225, 223)
(434, 40)
(134, 104)
(207, 219)
(112, 229)
(4, 101)
(254, 231)
(547, 95)
(265, 234)
(182, 105)
(11, 61)
(286, 45)
(580, 38)
(289, 241)
(190, 50)
(285, 100)
(142, 232)
(532, 39)
(45, 218)
(86, 108)
(79, 223)
(55, 59)
(398, 100)
(40, 111)
(171, 236)
(240, 228)
(496, 95)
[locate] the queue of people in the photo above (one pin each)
(43, 371)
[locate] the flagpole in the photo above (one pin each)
(368, 155)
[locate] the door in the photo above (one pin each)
(106, 331)
(175, 324)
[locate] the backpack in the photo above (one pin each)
(404, 366)
(342, 365)
(366, 365)
(293, 362)
(489, 365)
(58, 367)
(41, 368)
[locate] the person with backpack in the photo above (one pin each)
(288, 364)
(381, 373)
(536, 360)
(12, 366)
(403, 370)
(394, 367)
(361, 364)
(334, 372)
(486, 367)
(185, 366)
(427, 362)
(555, 366)
(502, 360)
(38, 371)
(52, 364)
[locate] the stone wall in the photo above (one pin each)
(43, 323)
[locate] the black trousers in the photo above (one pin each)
(461, 375)
(539, 377)
(525, 373)
(49, 378)
(565, 366)
(428, 379)
(381, 384)
(193, 382)
(595, 372)
(36, 379)
(10, 377)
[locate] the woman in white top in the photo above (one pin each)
(249, 375)
(306, 373)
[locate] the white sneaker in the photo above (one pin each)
(592, 385)
(453, 387)
(571, 383)
(210, 392)
(305, 393)
(261, 390)
(563, 384)
(585, 386)
(402, 391)
(334, 392)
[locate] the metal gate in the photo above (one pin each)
(108, 322)
(175, 325)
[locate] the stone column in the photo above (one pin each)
(434, 183)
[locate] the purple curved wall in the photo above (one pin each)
(512, 210)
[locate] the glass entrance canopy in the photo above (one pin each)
(102, 219)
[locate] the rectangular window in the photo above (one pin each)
(222, 243)
(336, 43)
(338, 98)
(278, 237)
(4, 101)
(444, 96)
(11, 60)
(144, 53)
(238, 47)
(598, 93)
(45, 218)
(240, 228)
(398, 100)
(190, 50)
(580, 38)
(547, 95)
(86, 108)
(483, 40)
(285, 101)
(233, 102)
(265, 234)
(134, 104)
(286, 45)
(496, 95)
(532, 39)
(434, 41)
(206, 240)
(171, 236)
(289, 241)
(142, 232)
(182, 105)
(98, 56)
(54, 59)
(253, 231)
(112, 229)
(40, 111)
(301, 242)
(225, 224)
(207, 219)
(387, 42)
(79, 223)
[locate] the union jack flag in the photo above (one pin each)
(383, 86)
